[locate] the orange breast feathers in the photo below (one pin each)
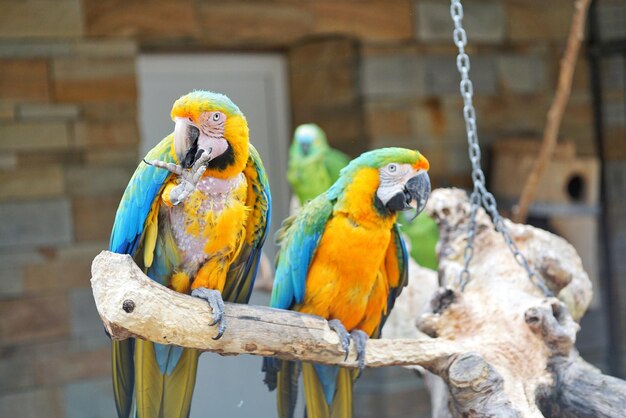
(347, 279)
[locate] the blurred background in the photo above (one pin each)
(86, 87)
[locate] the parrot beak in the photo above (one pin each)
(414, 196)
(418, 190)
(305, 146)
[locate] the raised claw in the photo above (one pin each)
(189, 178)
(360, 340)
(171, 167)
(214, 298)
(344, 337)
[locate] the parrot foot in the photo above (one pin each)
(341, 331)
(214, 298)
(190, 178)
(360, 339)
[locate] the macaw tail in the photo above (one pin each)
(153, 380)
(328, 390)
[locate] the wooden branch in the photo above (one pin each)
(519, 357)
(497, 349)
(132, 305)
(556, 111)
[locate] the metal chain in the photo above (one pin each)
(480, 194)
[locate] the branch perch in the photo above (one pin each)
(556, 111)
(132, 305)
(497, 349)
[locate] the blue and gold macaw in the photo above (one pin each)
(342, 258)
(194, 217)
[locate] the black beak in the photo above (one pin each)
(193, 153)
(305, 148)
(414, 196)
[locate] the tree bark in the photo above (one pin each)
(132, 305)
(499, 349)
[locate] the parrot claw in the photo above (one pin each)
(189, 178)
(360, 340)
(214, 298)
(344, 337)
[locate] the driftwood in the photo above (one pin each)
(518, 356)
(132, 305)
(501, 348)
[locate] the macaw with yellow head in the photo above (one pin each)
(194, 217)
(342, 258)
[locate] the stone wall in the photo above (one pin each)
(371, 72)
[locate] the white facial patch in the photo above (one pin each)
(393, 177)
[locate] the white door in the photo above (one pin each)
(226, 386)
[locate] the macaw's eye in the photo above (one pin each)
(392, 168)
(216, 116)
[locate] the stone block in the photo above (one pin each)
(106, 135)
(107, 112)
(11, 273)
(522, 74)
(53, 363)
(23, 48)
(388, 121)
(92, 398)
(41, 19)
(484, 21)
(30, 320)
(372, 20)
(439, 119)
(57, 275)
(23, 79)
(141, 19)
(322, 52)
(531, 21)
(73, 365)
(44, 402)
(85, 320)
(324, 86)
(254, 23)
(91, 79)
(46, 181)
(94, 216)
(7, 111)
(48, 111)
(97, 181)
(27, 136)
(395, 75)
(8, 161)
(11, 281)
(105, 48)
(120, 155)
(35, 223)
(441, 76)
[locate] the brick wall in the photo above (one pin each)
(371, 72)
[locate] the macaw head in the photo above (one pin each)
(390, 179)
(210, 122)
(309, 140)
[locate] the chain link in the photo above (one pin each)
(480, 194)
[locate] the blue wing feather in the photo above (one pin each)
(298, 240)
(143, 188)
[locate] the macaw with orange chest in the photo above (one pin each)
(194, 217)
(342, 258)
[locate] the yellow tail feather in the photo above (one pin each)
(316, 406)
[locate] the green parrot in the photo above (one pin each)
(313, 165)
